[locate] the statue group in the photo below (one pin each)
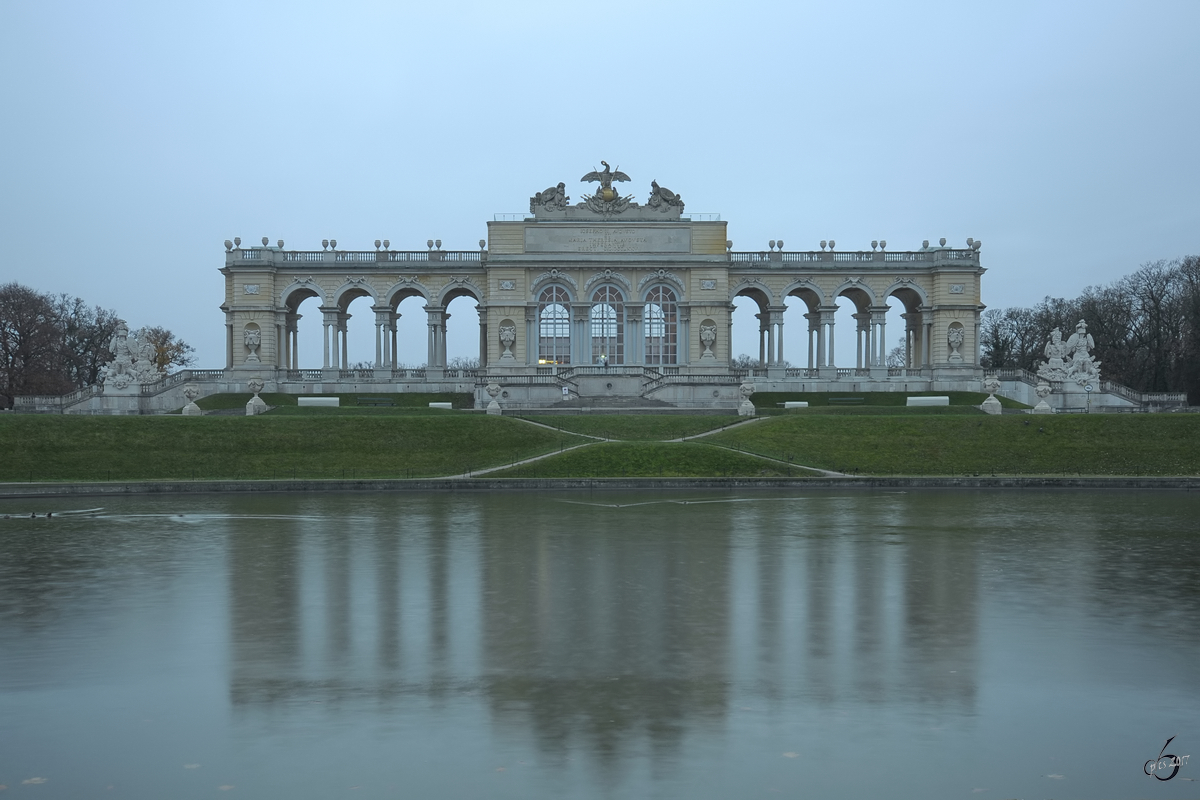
(1072, 359)
(132, 361)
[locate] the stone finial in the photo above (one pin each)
(324, 244)
(493, 389)
(256, 405)
(266, 240)
(377, 244)
(191, 392)
(237, 241)
(1043, 391)
(942, 242)
(991, 385)
(386, 244)
(228, 245)
(746, 408)
(279, 244)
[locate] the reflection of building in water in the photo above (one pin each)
(608, 625)
(606, 634)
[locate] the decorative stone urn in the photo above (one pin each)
(1043, 391)
(256, 404)
(508, 337)
(746, 409)
(991, 405)
(493, 390)
(191, 392)
(955, 337)
(708, 337)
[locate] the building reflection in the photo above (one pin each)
(603, 626)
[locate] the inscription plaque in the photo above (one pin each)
(596, 239)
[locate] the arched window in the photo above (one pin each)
(608, 325)
(554, 326)
(662, 326)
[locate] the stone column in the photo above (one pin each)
(581, 336)
(812, 335)
(228, 345)
(293, 338)
(483, 335)
(927, 345)
(436, 343)
(532, 339)
(860, 330)
(684, 335)
(330, 320)
(762, 337)
(383, 321)
(395, 361)
(879, 325)
(343, 322)
(635, 340)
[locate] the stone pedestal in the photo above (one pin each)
(255, 406)
(493, 408)
(192, 410)
(1042, 408)
(746, 409)
(991, 406)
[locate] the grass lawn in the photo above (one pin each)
(631, 427)
(85, 448)
(648, 460)
(1074, 444)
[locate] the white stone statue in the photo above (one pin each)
(253, 338)
(955, 337)
(708, 337)
(1084, 369)
(1054, 367)
(132, 361)
(746, 408)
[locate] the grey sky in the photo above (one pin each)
(137, 137)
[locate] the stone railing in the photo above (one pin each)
(831, 258)
(304, 374)
(272, 255)
(182, 376)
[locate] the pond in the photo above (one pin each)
(855, 644)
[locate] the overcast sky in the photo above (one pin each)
(137, 137)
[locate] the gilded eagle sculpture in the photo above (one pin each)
(606, 178)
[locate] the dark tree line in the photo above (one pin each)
(1146, 326)
(54, 344)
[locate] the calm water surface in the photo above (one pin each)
(635, 645)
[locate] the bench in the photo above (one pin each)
(327, 402)
(441, 405)
(376, 401)
(939, 400)
(793, 404)
(846, 401)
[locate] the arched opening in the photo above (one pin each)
(853, 344)
(607, 325)
(302, 342)
(747, 335)
(554, 326)
(803, 315)
(465, 347)
(409, 331)
(912, 351)
(661, 317)
(358, 340)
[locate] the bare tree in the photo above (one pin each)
(169, 351)
(29, 344)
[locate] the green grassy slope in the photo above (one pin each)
(57, 448)
(1087, 444)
